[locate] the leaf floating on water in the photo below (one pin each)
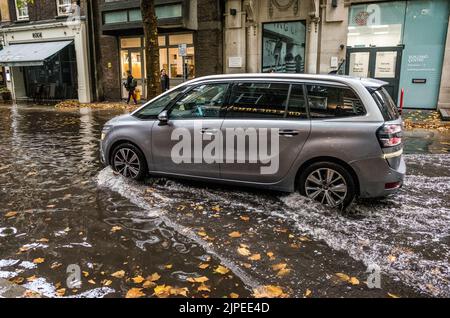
(271, 255)
(268, 291)
(279, 266)
(243, 251)
(204, 288)
(392, 258)
(235, 234)
(179, 291)
(244, 218)
(216, 208)
(31, 278)
(106, 282)
(202, 234)
(201, 279)
(138, 279)
(115, 229)
(168, 266)
(307, 293)
(61, 292)
(135, 293)
(255, 257)
(393, 295)
(283, 272)
(148, 284)
(17, 280)
(354, 281)
(343, 277)
(234, 295)
(162, 291)
(39, 260)
(153, 277)
(42, 240)
(118, 274)
(55, 265)
(11, 214)
(203, 266)
(91, 281)
(221, 270)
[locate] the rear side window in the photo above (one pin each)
(297, 104)
(258, 100)
(333, 102)
(385, 104)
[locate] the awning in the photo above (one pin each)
(30, 54)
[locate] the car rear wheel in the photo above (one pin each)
(129, 161)
(328, 183)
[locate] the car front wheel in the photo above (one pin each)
(129, 161)
(328, 183)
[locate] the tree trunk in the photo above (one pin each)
(150, 24)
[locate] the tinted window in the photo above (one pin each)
(331, 102)
(203, 101)
(297, 104)
(385, 104)
(258, 100)
(153, 109)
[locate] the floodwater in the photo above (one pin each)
(59, 206)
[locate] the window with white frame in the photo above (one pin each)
(22, 9)
(64, 7)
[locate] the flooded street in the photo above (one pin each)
(59, 206)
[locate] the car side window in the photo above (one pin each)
(204, 101)
(153, 109)
(258, 100)
(297, 103)
(333, 102)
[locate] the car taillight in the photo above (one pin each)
(390, 135)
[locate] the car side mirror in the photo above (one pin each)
(163, 117)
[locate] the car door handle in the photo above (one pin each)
(288, 132)
(209, 131)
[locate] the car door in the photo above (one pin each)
(271, 118)
(181, 146)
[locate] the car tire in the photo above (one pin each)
(129, 161)
(328, 183)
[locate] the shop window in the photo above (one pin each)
(169, 11)
(284, 47)
(163, 59)
(135, 15)
(376, 24)
(64, 7)
(22, 10)
(176, 63)
(162, 40)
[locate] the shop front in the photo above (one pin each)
(132, 58)
(402, 43)
(47, 62)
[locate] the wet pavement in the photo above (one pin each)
(59, 206)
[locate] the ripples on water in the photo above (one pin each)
(49, 172)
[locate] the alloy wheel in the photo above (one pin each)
(127, 163)
(326, 186)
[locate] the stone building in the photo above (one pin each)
(46, 50)
(405, 42)
(193, 24)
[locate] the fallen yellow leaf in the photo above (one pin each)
(216, 208)
(118, 274)
(271, 255)
(39, 260)
(148, 284)
(153, 277)
(203, 266)
(179, 291)
(243, 251)
(10, 214)
(268, 291)
(168, 266)
(343, 277)
(354, 281)
(42, 240)
(115, 229)
(234, 295)
(31, 278)
(204, 288)
(255, 257)
(106, 282)
(135, 293)
(221, 270)
(201, 233)
(61, 292)
(235, 234)
(138, 279)
(283, 272)
(279, 266)
(162, 291)
(91, 281)
(393, 295)
(244, 218)
(198, 279)
(307, 293)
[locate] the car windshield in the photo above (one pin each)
(153, 109)
(385, 104)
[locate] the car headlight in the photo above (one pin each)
(105, 131)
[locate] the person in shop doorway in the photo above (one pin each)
(130, 86)
(165, 84)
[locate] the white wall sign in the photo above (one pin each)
(235, 62)
(182, 49)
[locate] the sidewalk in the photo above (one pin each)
(71, 104)
(425, 119)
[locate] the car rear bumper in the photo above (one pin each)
(377, 178)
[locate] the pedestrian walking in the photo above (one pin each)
(165, 84)
(130, 86)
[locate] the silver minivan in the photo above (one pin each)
(332, 138)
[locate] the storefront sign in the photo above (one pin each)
(182, 49)
(359, 64)
(385, 64)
